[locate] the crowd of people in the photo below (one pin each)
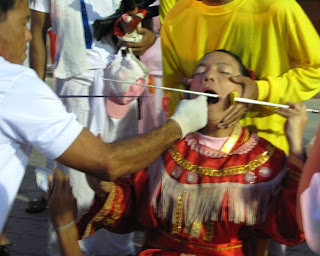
(206, 175)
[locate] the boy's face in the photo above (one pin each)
(212, 75)
(14, 33)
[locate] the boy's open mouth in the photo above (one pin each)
(212, 100)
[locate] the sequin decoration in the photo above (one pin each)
(192, 178)
(177, 172)
(265, 172)
(250, 177)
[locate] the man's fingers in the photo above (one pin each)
(238, 79)
(250, 88)
(142, 30)
(130, 45)
(294, 109)
(233, 116)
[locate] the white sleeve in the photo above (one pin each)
(310, 209)
(40, 5)
(35, 115)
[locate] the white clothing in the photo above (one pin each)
(113, 244)
(79, 71)
(72, 56)
(310, 210)
(31, 115)
(154, 110)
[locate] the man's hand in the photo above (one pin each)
(191, 115)
(62, 204)
(147, 41)
(296, 121)
(249, 91)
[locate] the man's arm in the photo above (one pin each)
(40, 23)
(294, 128)
(108, 161)
(311, 167)
(63, 212)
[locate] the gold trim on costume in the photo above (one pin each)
(108, 204)
(196, 229)
(102, 213)
(233, 170)
(246, 136)
(209, 231)
(232, 140)
(118, 195)
(178, 216)
(182, 241)
(87, 231)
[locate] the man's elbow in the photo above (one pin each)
(110, 168)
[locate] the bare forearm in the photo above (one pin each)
(38, 58)
(68, 240)
(108, 161)
(138, 153)
(296, 149)
(40, 22)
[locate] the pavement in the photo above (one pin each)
(28, 232)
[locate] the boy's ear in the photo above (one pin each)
(186, 83)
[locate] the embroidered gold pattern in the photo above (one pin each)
(246, 136)
(178, 216)
(117, 207)
(234, 170)
(196, 229)
(88, 230)
(182, 241)
(102, 213)
(209, 231)
(234, 137)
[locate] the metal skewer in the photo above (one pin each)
(238, 99)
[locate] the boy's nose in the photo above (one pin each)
(208, 76)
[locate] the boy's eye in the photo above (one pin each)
(225, 71)
(199, 71)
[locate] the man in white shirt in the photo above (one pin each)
(32, 115)
(80, 65)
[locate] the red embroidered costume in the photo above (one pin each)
(198, 201)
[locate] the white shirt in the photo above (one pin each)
(30, 115)
(310, 209)
(67, 28)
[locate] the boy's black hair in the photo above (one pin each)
(5, 6)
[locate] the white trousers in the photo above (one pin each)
(102, 242)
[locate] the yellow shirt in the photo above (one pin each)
(274, 38)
